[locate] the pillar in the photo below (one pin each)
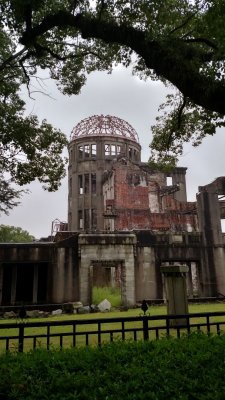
(35, 284)
(176, 291)
(13, 285)
(1, 282)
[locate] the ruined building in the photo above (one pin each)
(124, 221)
(110, 189)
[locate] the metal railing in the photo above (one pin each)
(24, 335)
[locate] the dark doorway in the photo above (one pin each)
(42, 283)
(24, 284)
(7, 283)
(106, 282)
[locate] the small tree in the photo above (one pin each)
(14, 234)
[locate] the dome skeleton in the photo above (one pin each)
(100, 125)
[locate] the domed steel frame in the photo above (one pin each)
(96, 143)
(104, 125)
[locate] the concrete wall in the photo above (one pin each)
(146, 276)
(107, 248)
(209, 217)
(62, 270)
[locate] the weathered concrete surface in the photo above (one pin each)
(62, 271)
(209, 214)
(112, 249)
(176, 291)
(146, 275)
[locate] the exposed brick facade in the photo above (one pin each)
(140, 199)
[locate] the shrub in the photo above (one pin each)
(188, 368)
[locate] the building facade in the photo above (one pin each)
(124, 220)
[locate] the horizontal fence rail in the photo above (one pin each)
(24, 335)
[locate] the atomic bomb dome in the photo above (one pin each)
(104, 125)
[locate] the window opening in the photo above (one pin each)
(80, 184)
(87, 151)
(169, 181)
(130, 152)
(94, 218)
(135, 154)
(107, 149)
(113, 150)
(86, 183)
(118, 149)
(86, 218)
(80, 219)
(71, 155)
(93, 183)
(80, 151)
(93, 150)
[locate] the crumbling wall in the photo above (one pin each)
(141, 199)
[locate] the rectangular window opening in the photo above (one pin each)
(86, 219)
(93, 183)
(80, 184)
(113, 150)
(87, 151)
(93, 150)
(169, 181)
(80, 151)
(107, 149)
(80, 219)
(86, 183)
(94, 218)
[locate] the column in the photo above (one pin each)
(176, 291)
(1, 282)
(13, 284)
(35, 284)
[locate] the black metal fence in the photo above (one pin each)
(24, 335)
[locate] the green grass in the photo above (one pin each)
(67, 341)
(190, 368)
(113, 295)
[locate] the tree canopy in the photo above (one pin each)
(179, 42)
(14, 234)
(29, 149)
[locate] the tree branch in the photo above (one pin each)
(64, 58)
(202, 40)
(187, 20)
(7, 62)
(170, 59)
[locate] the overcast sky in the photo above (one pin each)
(124, 96)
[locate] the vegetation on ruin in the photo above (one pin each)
(113, 295)
(188, 368)
(14, 234)
(179, 42)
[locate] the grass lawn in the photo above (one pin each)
(105, 337)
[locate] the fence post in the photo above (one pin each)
(21, 337)
(145, 327)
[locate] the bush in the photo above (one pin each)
(188, 368)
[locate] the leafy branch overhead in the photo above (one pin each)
(29, 149)
(180, 42)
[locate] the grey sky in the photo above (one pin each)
(122, 95)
